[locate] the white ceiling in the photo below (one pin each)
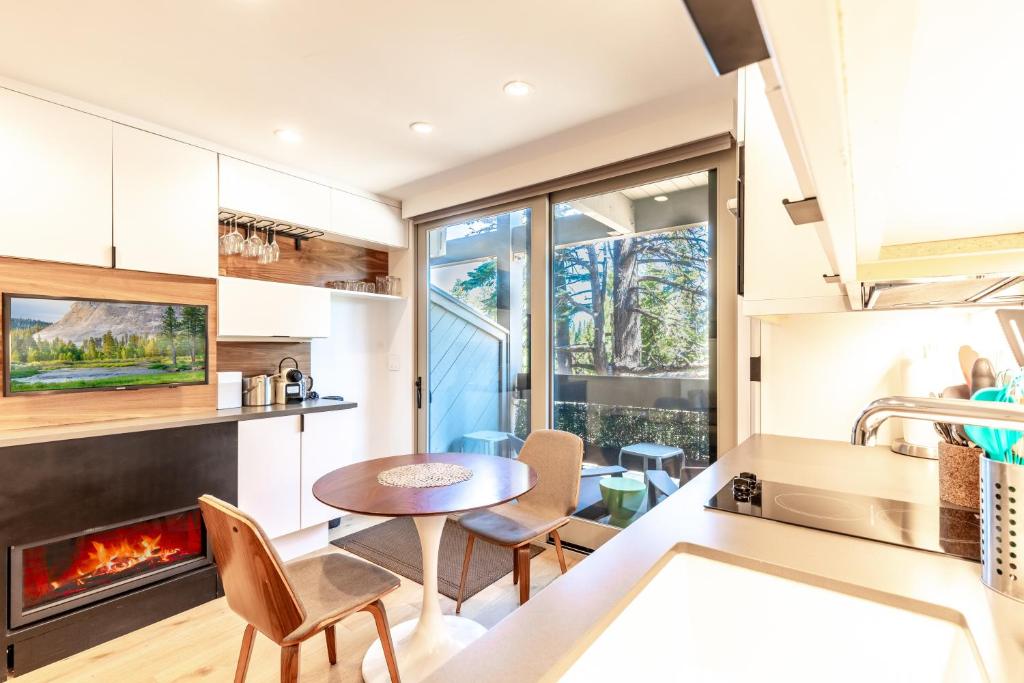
(351, 76)
(683, 182)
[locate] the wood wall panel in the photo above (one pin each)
(318, 262)
(261, 358)
(23, 276)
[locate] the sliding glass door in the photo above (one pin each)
(591, 309)
(475, 333)
(631, 314)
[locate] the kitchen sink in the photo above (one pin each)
(702, 619)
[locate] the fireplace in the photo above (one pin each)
(61, 574)
(102, 535)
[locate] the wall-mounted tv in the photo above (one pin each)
(69, 344)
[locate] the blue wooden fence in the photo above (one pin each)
(468, 355)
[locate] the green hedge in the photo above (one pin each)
(609, 426)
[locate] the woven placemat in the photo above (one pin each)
(395, 546)
(424, 475)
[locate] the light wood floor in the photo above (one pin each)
(202, 643)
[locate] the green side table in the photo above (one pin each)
(623, 497)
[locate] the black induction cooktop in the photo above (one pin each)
(936, 528)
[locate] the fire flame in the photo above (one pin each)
(118, 557)
(71, 566)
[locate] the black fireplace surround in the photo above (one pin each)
(124, 508)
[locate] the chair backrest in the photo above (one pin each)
(557, 457)
(255, 583)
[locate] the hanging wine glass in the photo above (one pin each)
(275, 251)
(236, 243)
(264, 257)
(254, 244)
(230, 241)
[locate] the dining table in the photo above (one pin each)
(423, 644)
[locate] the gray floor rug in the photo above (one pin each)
(395, 546)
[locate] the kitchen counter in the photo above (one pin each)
(542, 639)
(90, 429)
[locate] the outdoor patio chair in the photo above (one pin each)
(660, 485)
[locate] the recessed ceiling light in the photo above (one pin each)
(661, 198)
(518, 88)
(288, 135)
(421, 127)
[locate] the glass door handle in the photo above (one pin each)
(419, 393)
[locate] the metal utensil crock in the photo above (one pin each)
(1002, 527)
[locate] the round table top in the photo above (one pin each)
(355, 488)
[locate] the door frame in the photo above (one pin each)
(720, 157)
(540, 389)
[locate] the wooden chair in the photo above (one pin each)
(290, 603)
(516, 445)
(557, 457)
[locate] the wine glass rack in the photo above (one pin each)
(250, 221)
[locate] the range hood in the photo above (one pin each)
(954, 290)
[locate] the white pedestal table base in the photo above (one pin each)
(424, 644)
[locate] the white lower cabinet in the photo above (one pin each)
(325, 447)
(258, 308)
(279, 460)
(269, 488)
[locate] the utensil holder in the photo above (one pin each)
(1002, 527)
(958, 475)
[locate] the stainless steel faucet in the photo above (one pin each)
(951, 410)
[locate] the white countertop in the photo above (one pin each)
(542, 639)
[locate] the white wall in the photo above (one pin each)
(366, 337)
(657, 125)
(818, 371)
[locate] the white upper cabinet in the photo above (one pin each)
(55, 182)
(783, 263)
(367, 221)
(165, 204)
(906, 134)
(256, 189)
(258, 308)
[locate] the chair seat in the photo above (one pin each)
(332, 585)
(510, 524)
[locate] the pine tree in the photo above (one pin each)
(109, 347)
(169, 325)
(194, 323)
